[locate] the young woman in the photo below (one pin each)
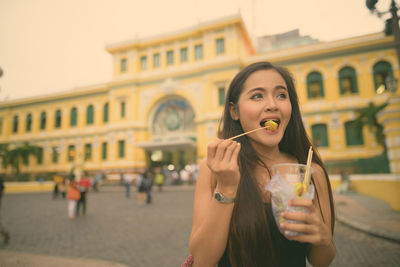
(233, 223)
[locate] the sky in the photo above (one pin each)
(49, 46)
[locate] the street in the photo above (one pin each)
(120, 230)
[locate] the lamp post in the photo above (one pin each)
(392, 24)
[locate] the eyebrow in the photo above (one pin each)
(278, 87)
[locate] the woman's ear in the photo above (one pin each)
(233, 111)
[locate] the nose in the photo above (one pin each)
(270, 104)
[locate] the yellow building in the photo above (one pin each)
(165, 100)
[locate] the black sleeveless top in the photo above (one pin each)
(288, 253)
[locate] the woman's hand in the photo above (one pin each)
(222, 160)
(314, 230)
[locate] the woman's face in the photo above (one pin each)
(264, 96)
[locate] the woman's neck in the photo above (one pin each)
(272, 155)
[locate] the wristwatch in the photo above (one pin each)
(222, 199)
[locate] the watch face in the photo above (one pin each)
(218, 196)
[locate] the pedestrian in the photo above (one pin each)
(144, 187)
(233, 224)
(159, 179)
(63, 187)
(84, 186)
(5, 234)
(73, 197)
(128, 181)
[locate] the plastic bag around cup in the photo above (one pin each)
(281, 193)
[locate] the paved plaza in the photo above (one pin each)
(117, 231)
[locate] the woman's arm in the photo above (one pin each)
(211, 219)
(317, 224)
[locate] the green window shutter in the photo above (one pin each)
(15, 124)
(220, 46)
(54, 154)
(104, 151)
(123, 65)
(71, 153)
(221, 96)
(57, 122)
(170, 57)
(40, 155)
(105, 112)
(320, 135)
(315, 85)
(73, 117)
(90, 115)
(143, 63)
(382, 70)
(348, 81)
(29, 122)
(123, 109)
(43, 121)
(88, 151)
(198, 52)
(184, 54)
(156, 60)
(121, 148)
(354, 135)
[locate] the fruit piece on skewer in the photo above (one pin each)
(271, 125)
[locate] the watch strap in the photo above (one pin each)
(219, 197)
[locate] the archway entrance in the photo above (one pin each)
(172, 134)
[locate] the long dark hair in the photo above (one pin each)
(249, 235)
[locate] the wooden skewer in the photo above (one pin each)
(239, 135)
(307, 175)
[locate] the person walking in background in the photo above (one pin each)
(144, 187)
(84, 186)
(3, 230)
(73, 196)
(159, 179)
(128, 181)
(63, 187)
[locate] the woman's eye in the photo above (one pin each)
(256, 96)
(282, 96)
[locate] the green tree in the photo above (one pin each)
(12, 157)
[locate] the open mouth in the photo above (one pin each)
(270, 124)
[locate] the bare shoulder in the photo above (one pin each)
(319, 176)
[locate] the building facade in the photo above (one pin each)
(166, 97)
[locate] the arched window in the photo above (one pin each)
(348, 81)
(382, 70)
(28, 122)
(57, 122)
(89, 114)
(43, 120)
(354, 135)
(320, 135)
(73, 117)
(15, 124)
(315, 85)
(105, 112)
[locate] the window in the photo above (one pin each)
(104, 151)
(88, 151)
(156, 60)
(354, 136)
(122, 109)
(40, 156)
(184, 54)
(382, 71)
(28, 122)
(57, 122)
(348, 81)
(123, 65)
(25, 159)
(43, 120)
(15, 124)
(71, 153)
(220, 46)
(315, 86)
(143, 63)
(73, 117)
(105, 112)
(170, 57)
(221, 96)
(121, 148)
(198, 52)
(90, 115)
(54, 154)
(320, 135)
(1, 126)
